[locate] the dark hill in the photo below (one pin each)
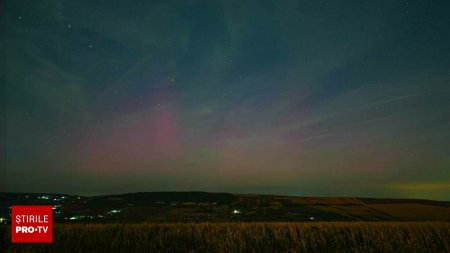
(204, 206)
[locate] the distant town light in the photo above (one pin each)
(235, 211)
(311, 218)
(76, 217)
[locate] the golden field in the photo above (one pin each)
(242, 237)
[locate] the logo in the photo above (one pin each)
(31, 224)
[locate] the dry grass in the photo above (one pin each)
(243, 237)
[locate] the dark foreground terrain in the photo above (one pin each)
(243, 237)
(222, 207)
(222, 222)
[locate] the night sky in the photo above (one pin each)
(309, 98)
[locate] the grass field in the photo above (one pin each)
(243, 237)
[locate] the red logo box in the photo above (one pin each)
(31, 224)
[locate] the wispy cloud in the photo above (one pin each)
(389, 100)
(421, 186)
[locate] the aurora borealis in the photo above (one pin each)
(310, 98)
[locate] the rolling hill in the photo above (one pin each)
(204, 206)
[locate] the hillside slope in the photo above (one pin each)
(203, 206)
